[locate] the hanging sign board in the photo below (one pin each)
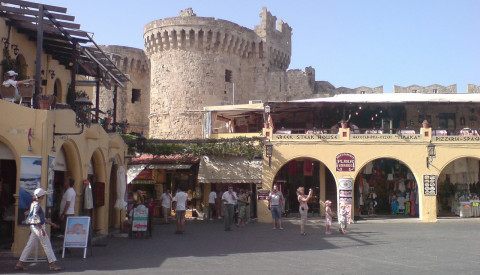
(262, 195)
(430, 185)
(76, 233)
(140, 218)
(345, 162)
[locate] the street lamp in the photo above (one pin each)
(269, 151)
(431, 153)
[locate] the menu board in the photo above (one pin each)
(430, 185)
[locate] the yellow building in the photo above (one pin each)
(42, 148)
(383, 161)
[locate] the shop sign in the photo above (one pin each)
(144, 175)
(430, 185)
(262, 195)
(305, 137)
(345, 162)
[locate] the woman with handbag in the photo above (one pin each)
(36, 220)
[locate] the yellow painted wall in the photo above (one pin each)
(15, 122)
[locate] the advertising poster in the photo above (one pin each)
(140, 218)
(345, 187)
(76, 232)
(30, 178)
(51, 174)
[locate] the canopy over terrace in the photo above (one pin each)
(57, 35)
(229, 170)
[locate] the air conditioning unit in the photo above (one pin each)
(256, 101)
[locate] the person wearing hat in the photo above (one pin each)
(10, 81)
(342, 218)
(36, 219)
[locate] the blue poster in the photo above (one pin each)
(30, 179)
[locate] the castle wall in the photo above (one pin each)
(134, 63)
(432, 89)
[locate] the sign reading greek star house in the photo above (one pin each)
(345, 162)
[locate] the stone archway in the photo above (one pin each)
(385, 187)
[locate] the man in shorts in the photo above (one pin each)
(180, 208)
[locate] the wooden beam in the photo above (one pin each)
(18, 17)
(35, 5)
(35, 12)
(38, 62)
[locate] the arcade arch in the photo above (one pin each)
(8, 187)
(459, 188)
(309, 173)
(97, 176)
(386, 187)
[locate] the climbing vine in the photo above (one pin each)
(245, 147)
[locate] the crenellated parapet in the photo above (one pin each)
(204, 34)
(431, 89)
(278, 40)
(129, 60)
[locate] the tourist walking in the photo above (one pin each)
(342, 218)
(180, 208)
(328, 217)
(38, 233)
(275, 201)
(228, 198)
(212, 211)
(242, 205)
(303, 207)
(166, 200)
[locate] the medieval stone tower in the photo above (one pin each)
(200, 61)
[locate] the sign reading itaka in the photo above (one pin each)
(345, 162)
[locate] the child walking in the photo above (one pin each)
(342, 219)
(328, 217)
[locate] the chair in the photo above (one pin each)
(26, 92)
(8, 93)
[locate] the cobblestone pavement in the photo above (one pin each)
(401, 246)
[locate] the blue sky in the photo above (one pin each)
(349, 43)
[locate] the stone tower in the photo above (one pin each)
(201, 61)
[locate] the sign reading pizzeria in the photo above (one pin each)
(345, 162)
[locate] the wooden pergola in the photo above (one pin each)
(56, 34)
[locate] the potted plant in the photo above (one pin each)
(44, 102)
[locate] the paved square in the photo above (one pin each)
(401, 246)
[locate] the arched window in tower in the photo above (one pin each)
(192, 38)
(136, 95)
(228, 76)
(260, 50)
(57, 90)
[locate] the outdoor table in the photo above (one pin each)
(374, 132)
(406, 132)
(440, 132)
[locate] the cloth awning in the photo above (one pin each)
(229, 170)
(121, 188)
(133, 171)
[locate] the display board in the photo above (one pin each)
(430, 185)
(30, 178)
(77, 231)
(262, 195)
(140, 218)
(345, 187)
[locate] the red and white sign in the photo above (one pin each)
(345, 162)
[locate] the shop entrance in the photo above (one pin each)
(459, 189)
(307, 173)
(386, 187)
(8, 187)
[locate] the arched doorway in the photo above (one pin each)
(113, 214)
(386, 187)
(8, 187)
(459, 188)
(97, 177)
(308, 173)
